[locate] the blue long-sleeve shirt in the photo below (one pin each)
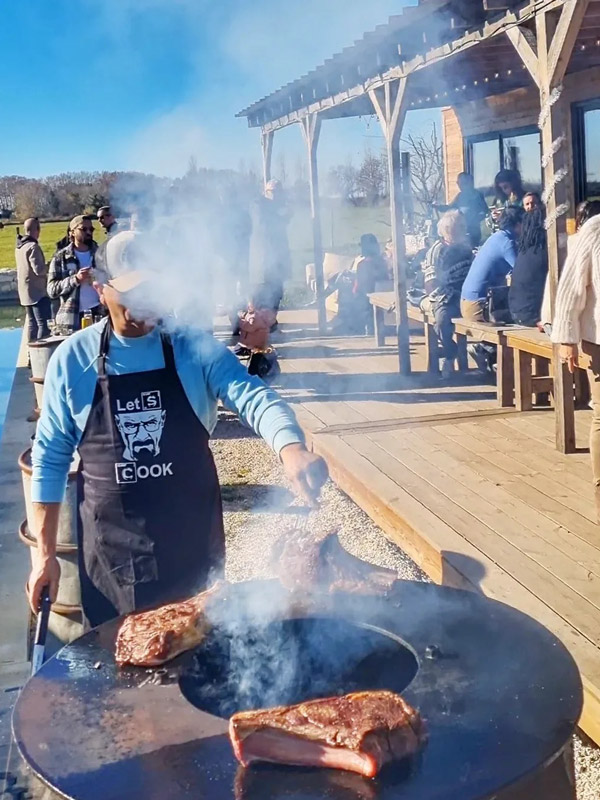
(494, 261)
(208, 372)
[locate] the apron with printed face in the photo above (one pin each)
(150, 520)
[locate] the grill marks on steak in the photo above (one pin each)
(359, 732)
(300, 559)
(151, 638)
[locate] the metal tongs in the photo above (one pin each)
(41, 631)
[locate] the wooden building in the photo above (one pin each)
(506, 71)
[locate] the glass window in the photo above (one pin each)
(485, 160)
(591, 132)
(524, 154)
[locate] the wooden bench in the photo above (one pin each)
(384, 303)
(496, 335)
(532, 347)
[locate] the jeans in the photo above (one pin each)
(443, 325)
(38, 316)
(475, 310)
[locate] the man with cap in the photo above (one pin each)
(70, 276)
(139, 405)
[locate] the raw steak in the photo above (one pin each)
(359, 732)
(151, 638)
(301, 560)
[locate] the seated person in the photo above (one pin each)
(472, 204)
(492, 265)
(354, 286)
(445, 268)
(531, 269)
(255, 325)
(531, 202)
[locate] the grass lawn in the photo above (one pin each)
(51, 233)
(342, 227)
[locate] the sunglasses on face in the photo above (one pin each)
(85, 230)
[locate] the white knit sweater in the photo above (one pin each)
(577, 308)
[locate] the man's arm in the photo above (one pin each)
(46, 569)
(59, 286)
(52, 452)
(35, 257)
(269, 415)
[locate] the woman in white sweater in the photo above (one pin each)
(576, 322)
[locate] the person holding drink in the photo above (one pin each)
(71, 277)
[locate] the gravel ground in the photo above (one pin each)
(258, 505)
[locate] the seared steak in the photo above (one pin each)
(151, 638)
(301, 560)
(359, 732)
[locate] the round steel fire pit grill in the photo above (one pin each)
(499, 693)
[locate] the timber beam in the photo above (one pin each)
(311, 130)
(390, 105)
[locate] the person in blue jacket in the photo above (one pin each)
(139, 404)
(490, 268)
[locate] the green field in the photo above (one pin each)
(342, 227)
(51, 233)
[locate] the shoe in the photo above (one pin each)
(34, 416)
(241, 352)
(447, 368)
(479, 357)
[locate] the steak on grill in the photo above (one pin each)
(151, 638)
(359, 732)
(300, 559)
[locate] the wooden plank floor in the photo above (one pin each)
(478, 496)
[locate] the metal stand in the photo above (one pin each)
(556, 782)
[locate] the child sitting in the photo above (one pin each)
(255, 324)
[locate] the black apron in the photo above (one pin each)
(150, 521)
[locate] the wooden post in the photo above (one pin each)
(546, 55)
(266, 140)
(390, 106)
(311, 129)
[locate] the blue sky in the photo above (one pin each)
(145, 84)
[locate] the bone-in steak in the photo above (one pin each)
(151, 638)
(302, 560)
(359, 732)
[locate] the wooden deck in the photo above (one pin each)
(477, 495)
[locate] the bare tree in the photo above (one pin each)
(343, 180)
(371, 178)
(427, 166)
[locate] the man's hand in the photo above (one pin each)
(569, 355)
(83, 276)
(306, 471)
(45, 572)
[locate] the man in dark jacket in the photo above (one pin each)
(31, 280)
(70, 276)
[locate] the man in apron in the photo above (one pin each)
(130, 400)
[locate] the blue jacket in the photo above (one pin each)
(494, 261)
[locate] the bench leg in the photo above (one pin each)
(505, 377)
(523, 381)
(542, 370)
(564, 408)
(379, 318)
(432, 346)
(462, 356)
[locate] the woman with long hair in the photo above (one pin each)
(531, 269)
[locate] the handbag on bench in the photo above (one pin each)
(497, 310)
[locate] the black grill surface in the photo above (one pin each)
(499, 693)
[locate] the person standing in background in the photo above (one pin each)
(472, 204)
(107, 220)
(576, 323)
(31, 280)
(270, 259)
(70, 276)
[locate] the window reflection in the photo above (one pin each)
(523, 153)
(592, 153)
(486, 163)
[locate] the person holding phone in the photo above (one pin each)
(70, 276)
